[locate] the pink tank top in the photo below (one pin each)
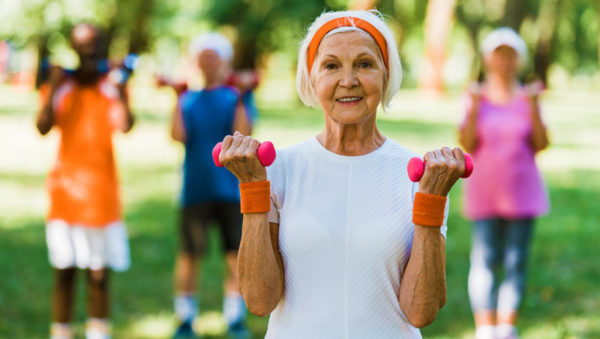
(506, 182)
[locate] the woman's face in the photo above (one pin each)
(503, 60)
(211, 64)
(348, 76)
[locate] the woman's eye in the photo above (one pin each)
(330, 66)
(364, 65)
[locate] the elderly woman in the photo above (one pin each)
(338, 242)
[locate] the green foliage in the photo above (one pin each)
(578, 33)
(561, 302)
(573, 27)
(264, 26)
(261, 27)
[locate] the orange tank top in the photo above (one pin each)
(83, 184)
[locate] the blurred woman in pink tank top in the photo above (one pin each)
(503, 130)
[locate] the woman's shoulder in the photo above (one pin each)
(288, 155)
(294, 149)
(289, 163)
(393, 149)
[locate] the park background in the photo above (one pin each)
(438, 41)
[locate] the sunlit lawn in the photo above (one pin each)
(563, 291)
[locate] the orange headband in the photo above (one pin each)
(346, 22)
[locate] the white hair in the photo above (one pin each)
(213, 41)
(304, 85)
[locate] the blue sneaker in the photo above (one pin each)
(185, 331)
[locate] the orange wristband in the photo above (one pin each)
(255, 197)
(428, 210)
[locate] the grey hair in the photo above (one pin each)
(304, 85)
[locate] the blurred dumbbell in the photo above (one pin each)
(416, 168)
(265, 152)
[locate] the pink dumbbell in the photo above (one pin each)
(416, 168)
(265, 152)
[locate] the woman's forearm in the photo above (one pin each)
(45, 119)
(260, 267)
(539, 135)
(423, 286)
(468, 134)
(178, 132)
(128, 119)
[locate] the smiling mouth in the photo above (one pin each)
(347, 100)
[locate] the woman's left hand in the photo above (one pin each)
(443, 167)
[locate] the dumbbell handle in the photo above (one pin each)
(265, 152)
(416, 168)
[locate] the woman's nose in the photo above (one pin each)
(349, 79)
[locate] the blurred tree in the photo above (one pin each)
(560, 32)
(47, 23)
(515, 12)
(437, 27)
(546, 25)
(131, 22)
(597, 4)
(577, 26)
(474, 15)
(264, 26)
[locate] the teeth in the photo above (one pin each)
(348, 99)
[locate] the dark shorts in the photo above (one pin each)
(196, 218)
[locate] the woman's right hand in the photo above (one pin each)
(238, 155)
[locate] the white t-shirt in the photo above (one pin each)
(345, 236)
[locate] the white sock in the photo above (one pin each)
(61, 331)
(485, 332)
(506, 331)
(97, 329)
(186, 307)
(234, 308)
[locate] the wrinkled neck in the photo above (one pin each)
(351, 139)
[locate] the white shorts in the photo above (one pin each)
(87, 247)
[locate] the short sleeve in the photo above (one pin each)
(444, 228)
(274, 175)
(62, 98)
(185, 104)
(116, 109)
(274, 212)
(250, 106)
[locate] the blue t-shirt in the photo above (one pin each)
(250, 105)
(208, 117)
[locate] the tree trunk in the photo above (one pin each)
(245, 54)
(473, 26)
(138, 40)
(547, 31)
(437, 26)
(514, 13)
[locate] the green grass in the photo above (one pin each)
(563, 294)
